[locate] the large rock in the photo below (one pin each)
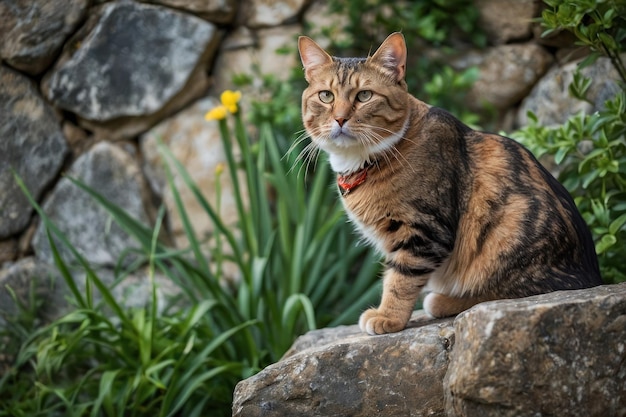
(33, 32)
(557, 354)
(551, 101)
(347, 373)
(112, 172)
(131, 65)
(562, 353)
(31, 144)
(505, 21)
(506, 74)
(197, 145)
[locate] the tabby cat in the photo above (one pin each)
(461, 215)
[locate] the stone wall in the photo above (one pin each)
(88, 87)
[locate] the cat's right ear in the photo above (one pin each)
(312, 55)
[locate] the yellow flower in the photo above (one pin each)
(230, 99)
(219, 168)
(216, 113)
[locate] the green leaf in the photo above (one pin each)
(106, 397)
(608, 41)
(295, 304)
(560, 155)
(616, 225)
(605, 243)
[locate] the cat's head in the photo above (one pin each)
(355, 108)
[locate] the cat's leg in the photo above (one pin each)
(439, 305)
(400, 292)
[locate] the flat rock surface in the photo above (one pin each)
(562, 353)
(343, 372)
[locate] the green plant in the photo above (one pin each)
(448, 89)
(432, 22)
(298, 254)
(590, 149)
(597, 24)
(104, 359)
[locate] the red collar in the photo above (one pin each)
(349, 182)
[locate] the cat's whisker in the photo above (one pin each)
(310, 151)
(302, 135)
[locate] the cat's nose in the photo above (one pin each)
(340, 121)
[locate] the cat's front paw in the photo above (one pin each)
(374, 322)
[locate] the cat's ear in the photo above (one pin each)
(312, 55)
(391, 55)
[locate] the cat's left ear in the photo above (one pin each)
(312, 55)
(391, 55)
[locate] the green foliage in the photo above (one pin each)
(299, 268)
(597, 24)
(432, 22)
(102, 359)
(590, 149)
(448, 89)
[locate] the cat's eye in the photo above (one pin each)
(364, 96)
(326, 96)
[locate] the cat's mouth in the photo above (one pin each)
(342, 135)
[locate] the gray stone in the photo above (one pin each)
(133, 61)
(31, 144)
(265, 13)
(505, 21)
(557, 354)
(112, 172)
(216, 11)
(33, 32)
(397, 374)
(506, 74)
(551, 101)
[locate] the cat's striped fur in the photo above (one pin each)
(465, 215)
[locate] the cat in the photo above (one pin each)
(461, 215)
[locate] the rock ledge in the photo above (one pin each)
(555, 354)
